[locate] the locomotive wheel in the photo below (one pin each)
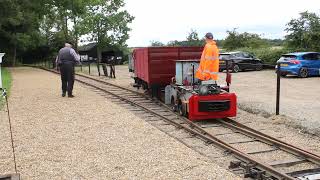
(182, 109)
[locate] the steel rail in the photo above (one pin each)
(197, 130)
(271, 140)
(203, 134)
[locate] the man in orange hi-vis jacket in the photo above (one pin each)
(209, 63)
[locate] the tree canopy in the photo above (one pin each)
(36, 29)
(33, 30)
(236, 40)
(304, 32)
(192, 39)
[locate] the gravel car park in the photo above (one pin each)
(299, 100)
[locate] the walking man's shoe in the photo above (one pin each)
(70, 96)
(63, 94)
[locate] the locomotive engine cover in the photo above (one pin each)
(212, 106)
(185, 70)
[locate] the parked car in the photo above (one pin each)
(302, 64)
(239, 61)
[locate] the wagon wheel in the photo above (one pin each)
(144, 86)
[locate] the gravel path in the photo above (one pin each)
(88, 137)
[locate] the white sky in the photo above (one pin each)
(166, 20)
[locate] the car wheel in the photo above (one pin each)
(235, 68)
(303, 73)
(259, 67)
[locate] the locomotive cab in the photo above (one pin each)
(199, 100)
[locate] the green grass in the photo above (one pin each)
(6, 82)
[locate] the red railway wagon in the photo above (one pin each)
(155, 66)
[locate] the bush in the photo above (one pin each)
(269, 55)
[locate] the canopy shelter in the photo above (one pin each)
(89, 53)
(110, 56)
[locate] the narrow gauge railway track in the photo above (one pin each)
(264, 162)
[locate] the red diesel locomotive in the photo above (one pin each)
(172, 70)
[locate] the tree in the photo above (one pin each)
(304, 32)
(193, 39)
(233, 40)
(106, 23)
(18, 25)
(27, 26)
(157, 44)
(236, 40)
(174, 43)
(275, 42)
(63, 19)
(193, 36)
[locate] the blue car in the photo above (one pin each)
(302, 64)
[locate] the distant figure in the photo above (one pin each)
(66, 60)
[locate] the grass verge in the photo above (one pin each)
(6, 82)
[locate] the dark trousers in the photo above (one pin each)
(67, 77)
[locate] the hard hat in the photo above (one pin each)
(209, 35)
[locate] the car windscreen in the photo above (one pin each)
(224, 56)
(288, 57)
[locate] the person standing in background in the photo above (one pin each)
(66, 60)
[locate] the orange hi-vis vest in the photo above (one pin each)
(209, 63)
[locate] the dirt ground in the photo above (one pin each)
(88, 137)
(256, 91)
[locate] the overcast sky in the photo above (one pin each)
(165, 20)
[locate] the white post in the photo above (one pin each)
(1, 55)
